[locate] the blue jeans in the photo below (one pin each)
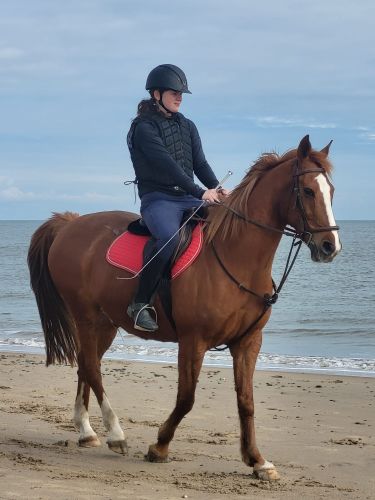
(163, 214)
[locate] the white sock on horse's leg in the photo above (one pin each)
(81, 419)
(111, 421)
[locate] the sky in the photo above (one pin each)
(262, 75)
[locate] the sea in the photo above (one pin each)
(323, 322)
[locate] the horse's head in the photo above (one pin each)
(311, 211)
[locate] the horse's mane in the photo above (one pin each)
(229, 223)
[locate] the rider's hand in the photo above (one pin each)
(211, 195)
(224, 192)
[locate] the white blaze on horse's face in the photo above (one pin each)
(325, 189)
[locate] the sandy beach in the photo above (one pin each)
(318, 430)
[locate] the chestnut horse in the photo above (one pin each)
(82, 303)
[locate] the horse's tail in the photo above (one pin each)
(57, 322)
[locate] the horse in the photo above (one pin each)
(223, 298)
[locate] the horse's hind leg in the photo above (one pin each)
(116, 439)
(245, 353)
(95, 337)
(189, 366)
(87, 436)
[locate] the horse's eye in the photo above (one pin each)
(309, 192)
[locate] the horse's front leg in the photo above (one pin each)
(189, 365)
(245, 354)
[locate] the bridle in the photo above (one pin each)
(307, 229)
(306, 235)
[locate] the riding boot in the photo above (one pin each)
(140, 309)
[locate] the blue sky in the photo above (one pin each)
(263, 74)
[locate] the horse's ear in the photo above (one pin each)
(326, 149)
(304, 148)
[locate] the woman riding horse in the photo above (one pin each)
(166, 152)
(220, 299)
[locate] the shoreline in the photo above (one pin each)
(261, 365)
(317, 429)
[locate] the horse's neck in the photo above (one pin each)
(269, 201)
(268, 205)
(251, 252)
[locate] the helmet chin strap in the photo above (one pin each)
(161, 104)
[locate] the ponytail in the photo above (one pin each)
(146, 106)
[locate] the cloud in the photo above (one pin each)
(276, 121)
(70, 80)
(369, 136)
(280, 122)
(10, 53)
(88, 37)
(90, 196)
(15, 194)
(5, 180)
(67, 176)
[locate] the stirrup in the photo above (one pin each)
(135, 314)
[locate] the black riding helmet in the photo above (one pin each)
(167, 76)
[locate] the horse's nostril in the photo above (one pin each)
(328, 248)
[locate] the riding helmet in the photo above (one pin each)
(167, 76)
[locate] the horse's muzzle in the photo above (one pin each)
(324, 251)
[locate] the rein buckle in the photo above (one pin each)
(269, 300)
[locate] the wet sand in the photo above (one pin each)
(318, 430)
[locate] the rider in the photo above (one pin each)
(166, 152)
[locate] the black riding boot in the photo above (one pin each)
(140, 309)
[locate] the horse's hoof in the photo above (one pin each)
(118, 446)
(155, 456)
(89, 442)
(268, 475)
(266, 472)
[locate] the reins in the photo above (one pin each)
(269, 300)
(288, 231)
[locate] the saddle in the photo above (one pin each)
(129, 250)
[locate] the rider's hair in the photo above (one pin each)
(149, 105)
(146, 106)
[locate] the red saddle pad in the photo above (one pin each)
(126, 252)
